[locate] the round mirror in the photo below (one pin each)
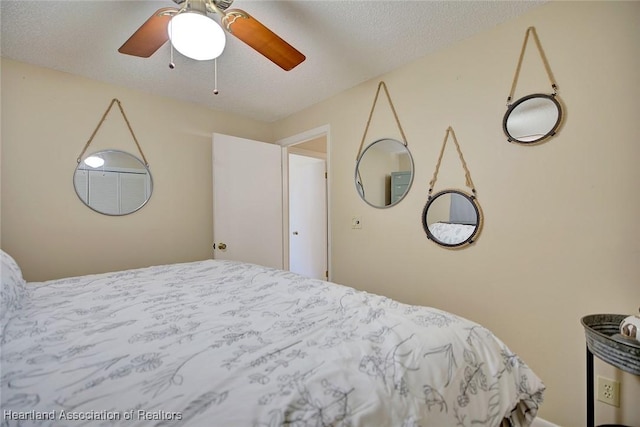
(452, 218)
(532, 119)
(384, 173)
(113, 182)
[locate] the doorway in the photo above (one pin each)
(306, 201)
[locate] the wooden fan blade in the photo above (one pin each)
(255, 34)
(150, 36)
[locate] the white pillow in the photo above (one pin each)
(12, 288)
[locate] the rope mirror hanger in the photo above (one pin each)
(104, 116)
(452, 218)
(384, 168)
(533, 118)
(113, 182)
(381, 85)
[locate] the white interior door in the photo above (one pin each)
(307, 216)
(247, 201)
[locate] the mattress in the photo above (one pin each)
(222, 343)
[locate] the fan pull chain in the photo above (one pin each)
(172, 65)
(215, 76)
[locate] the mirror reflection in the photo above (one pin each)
(532, 119)
(452, 218)
(113, 182)
(384, 173)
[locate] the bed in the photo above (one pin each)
(451, 233)
(222, 343)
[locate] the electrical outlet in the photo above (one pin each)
(609, 391)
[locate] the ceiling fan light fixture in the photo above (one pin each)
(196, 36)
(94, 161)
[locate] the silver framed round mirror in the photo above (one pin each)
(384, 173)
(532, 119)
(452, 218)
(113, 182)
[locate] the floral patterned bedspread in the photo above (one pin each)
(220, 343)
(451, 233)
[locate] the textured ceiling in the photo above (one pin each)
(345, 42)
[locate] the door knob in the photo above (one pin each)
(222, 246)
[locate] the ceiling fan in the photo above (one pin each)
(170, 23)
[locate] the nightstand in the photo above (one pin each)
(399, 185)
(604, 340)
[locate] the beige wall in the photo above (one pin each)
(47, 117)
(561, 237)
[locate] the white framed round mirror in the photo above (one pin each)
(113, 182)
(532, 119)
(384, 173)
(452, 218)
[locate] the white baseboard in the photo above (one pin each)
(539, 422)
